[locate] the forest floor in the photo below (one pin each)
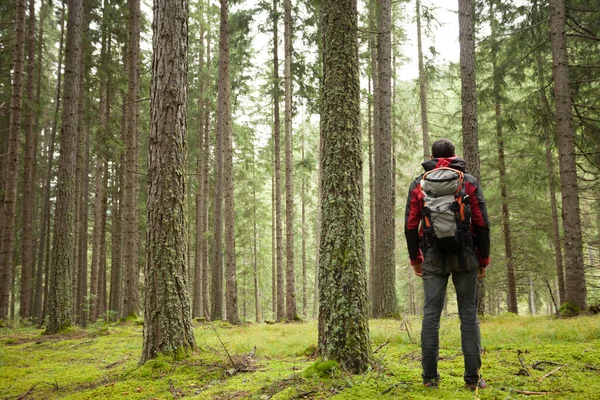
(523, 357)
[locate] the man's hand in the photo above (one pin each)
(481, 274)
(418, 269)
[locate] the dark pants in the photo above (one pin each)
(435, 280)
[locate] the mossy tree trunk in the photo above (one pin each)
(167, 315)
(11, 160)
(422, 86)
(60, 286)
(575, 287)
(343, 324)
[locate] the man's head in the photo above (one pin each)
(442, 148)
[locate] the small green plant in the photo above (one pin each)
(569, 310)
(322, 369)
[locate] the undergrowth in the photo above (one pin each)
(522, 356)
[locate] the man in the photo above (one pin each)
(457, 246)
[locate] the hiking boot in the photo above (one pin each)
(431, 384)
(472, 385)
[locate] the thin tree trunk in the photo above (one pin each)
(291, 308)
(12, 162)
(217, 277)
(254, 258)
(197, 302)
(343, 309)
(422, 87)
(27, 252)
(101, 306)
(205, 185)
(273, 243)
(281, 310)
(46, 206)
(96, 255)
(303, 194)
(130, 193)
(60, 293)
(575, 286)
(167, 311)
(498, 79)
(231, 295)
(547, 128)
(116, 264)
(373, 24)
(37, 285)
(384, 285)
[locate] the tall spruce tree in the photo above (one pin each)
(167, 313)
(343, 324)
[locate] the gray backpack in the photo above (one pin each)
(446, 208)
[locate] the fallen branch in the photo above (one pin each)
(537, 364)
(226, 351)
(525, 370)
(405, 325)
(21, 397)
(382, 345)
(530, 393)
(550, 373)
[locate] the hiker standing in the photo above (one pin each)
(447, 233)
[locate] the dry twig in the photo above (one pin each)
(550, 373)
(381, 346)
(226, 351)
(21, 397)
(524, 370)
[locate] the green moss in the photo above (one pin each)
(569, 310)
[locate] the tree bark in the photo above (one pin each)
(96, 255)
(343, 324)
(422, 87)
(291, 310)
(281, 310)
(46, 206)
(231, 295)
(575, 286)
(27, 252)
(101, 292)
(466, 38)
(373, 26)
(197, 302)
(167, 315)
(498, 79)
(384, 284)
(254, 259)
(205, 185)
(115, 303)
(130, 192)
(12, 162)
(303, 195)
(60, 293)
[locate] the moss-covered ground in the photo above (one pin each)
(523, 357)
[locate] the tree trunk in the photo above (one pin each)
(46, 206)
(281, 310)
(60, 292)
(205, 185)
(101, 299)
(167, 315)
(197, 302)
(384, 284)
(575, 287)
(96, 255)
(291, 311)
(231, 295)
(547, 128)
(27, 252)
(130, 192)
(273, 243)
(422, 87)
(466, 38)
(343, 324)
(373, 26)
(12, 162)
(115, 303)
(303, 194)
(255, 261)
(498, 79)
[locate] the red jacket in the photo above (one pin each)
(480, 226)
